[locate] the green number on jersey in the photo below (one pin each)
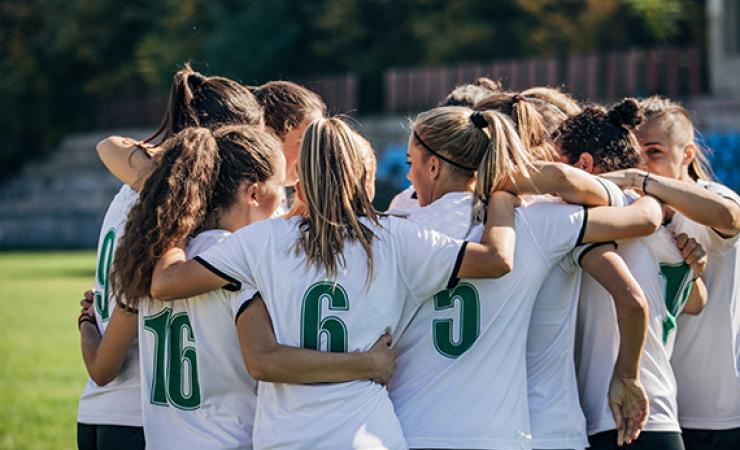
(442, 332)
(677, 288)
(313, 326)
(105, 258)
(175, 379)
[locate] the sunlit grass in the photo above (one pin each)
(41, 371)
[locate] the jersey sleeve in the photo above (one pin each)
(236, 258)
(557, 228)
(615, 194)
(427, 260)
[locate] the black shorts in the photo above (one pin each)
(109, 437)
(648, 440)
(711, 439)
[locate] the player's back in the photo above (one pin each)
(461, 377)
(309, 309)
(116, 403)
(196, 392)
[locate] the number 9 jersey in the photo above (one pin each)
(116, 403)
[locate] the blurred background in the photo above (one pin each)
(75, 71)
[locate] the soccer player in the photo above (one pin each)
(705, 359)
(599, 141)
(482, 339)
(196, 390)
(111, 400)
(330, 280)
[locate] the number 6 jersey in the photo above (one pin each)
(195, 391)
(347, 314)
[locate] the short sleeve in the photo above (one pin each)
(615, 194)
(557, 228)
(722, 191)
(240, 301)
(235, 258)
(574, 259)
(428, 260)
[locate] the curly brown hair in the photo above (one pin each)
(198, 176)
(607, 135)
(210, 102)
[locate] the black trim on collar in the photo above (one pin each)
(233, 284)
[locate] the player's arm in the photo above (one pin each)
(266, 360)
(627, 398)
(126, 160)
(494, 256)
(696, 257)
(175, 277)
(611, 223)
(104, 355)
(571, 184)
(694, 202)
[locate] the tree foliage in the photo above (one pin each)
(59, 57)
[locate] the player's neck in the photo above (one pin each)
(232, 219)
(456, 185)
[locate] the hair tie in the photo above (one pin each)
(196, 79)
(478, 120)
(517, 98)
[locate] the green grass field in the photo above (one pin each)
(41, 370)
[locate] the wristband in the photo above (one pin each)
(85, 318)
(644, 183)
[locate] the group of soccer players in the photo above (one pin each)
(558, 276)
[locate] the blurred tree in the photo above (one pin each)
(59, 57)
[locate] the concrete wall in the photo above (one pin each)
(723, 26)
(60, 202)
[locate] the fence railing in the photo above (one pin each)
(675, 72)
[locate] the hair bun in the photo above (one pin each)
(626, 113)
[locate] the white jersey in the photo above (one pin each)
(554, 407)
(652, 260)
(116, 403)
(347, 314)
(195, 392)
(404, 202)
(706, 359)
(460, 380)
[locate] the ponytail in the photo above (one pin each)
(332, 173)
(527, 119)
(210, 102)
(198, 175)
(505, 154)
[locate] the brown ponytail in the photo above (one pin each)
(210, 102)
(198, 175)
